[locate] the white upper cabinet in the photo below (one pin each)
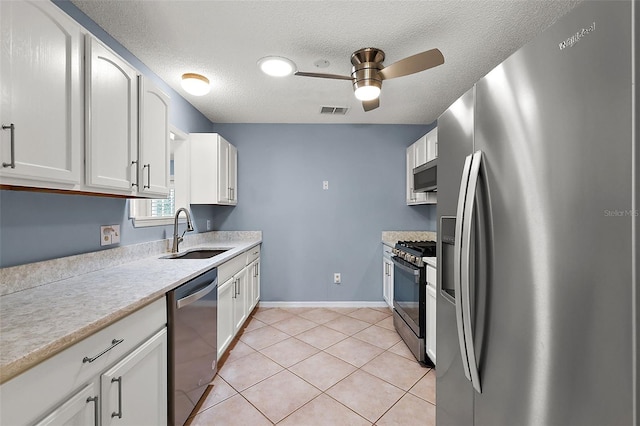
(232, 175)
(154, 139)
(41, 102)
(213, 166)
(111, 120)
(127, 127)
(420, 152)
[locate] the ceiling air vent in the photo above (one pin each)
(333, 110)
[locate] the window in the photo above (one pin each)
(158, 212)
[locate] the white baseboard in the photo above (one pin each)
(328, 304)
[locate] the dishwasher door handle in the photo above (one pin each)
(187, 300)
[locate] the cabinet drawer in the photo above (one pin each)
(28, 396)
(253, 254)
(231, 267)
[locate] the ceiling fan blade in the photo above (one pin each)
(413, 64)
(372, 104)
(320, 75)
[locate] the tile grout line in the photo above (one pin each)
(319, 350)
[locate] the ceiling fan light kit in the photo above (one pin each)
(277, 66)
(368, 72)
(195, 84)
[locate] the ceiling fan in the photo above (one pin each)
(368, 72)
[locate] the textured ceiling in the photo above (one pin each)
(224, 39)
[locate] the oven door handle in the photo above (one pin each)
(407, 267)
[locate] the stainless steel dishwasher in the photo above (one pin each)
(193, 354)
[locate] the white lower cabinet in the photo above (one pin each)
(237, 296)
(226, 293)
(254, 282)
(241, 300)
(77, 386)
(134, 391)
(83, 408)
(387, 276)
(431, 314)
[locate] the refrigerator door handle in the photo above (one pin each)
(470, 204)
(457, 265)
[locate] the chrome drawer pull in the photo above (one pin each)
(114, 343)
(118, 414)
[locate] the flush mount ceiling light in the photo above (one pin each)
(277, 66)
(195, 84)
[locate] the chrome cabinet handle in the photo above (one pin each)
(136, 172)
(114, 343)
(12, 128)
(457, 265)
(148, 167)
(118, 414)
(96, 412)
(235, 289)
(469, 208)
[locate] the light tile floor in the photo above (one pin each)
(319, 366)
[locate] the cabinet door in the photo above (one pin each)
(111, 121)
(226, 330)
(154, 150)
(41, 86)
(410, 162)
(233, 174)
(420, 151)
(241, 301)
(224, 189)
(134, 391)
(82, 409)
(254, 283)
(432, 144)
(387, 281)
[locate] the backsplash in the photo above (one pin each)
(22, 277)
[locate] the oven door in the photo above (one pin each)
(409, 293)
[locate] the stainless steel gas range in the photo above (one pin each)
(410, 293)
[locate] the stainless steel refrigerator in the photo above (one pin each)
(537, 309)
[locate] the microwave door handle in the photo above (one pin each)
(457, 265)
(469, 211)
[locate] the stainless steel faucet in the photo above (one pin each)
(176, 239)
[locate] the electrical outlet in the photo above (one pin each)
(325, 184)
(109, 234)
(336, 278)
(208, 224)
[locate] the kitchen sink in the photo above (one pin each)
(196, 254)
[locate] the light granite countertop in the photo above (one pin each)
(390, 238)
(38, 322)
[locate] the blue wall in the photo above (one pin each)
(39, 226)
(310, 233)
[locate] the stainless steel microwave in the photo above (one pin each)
(425, 177)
